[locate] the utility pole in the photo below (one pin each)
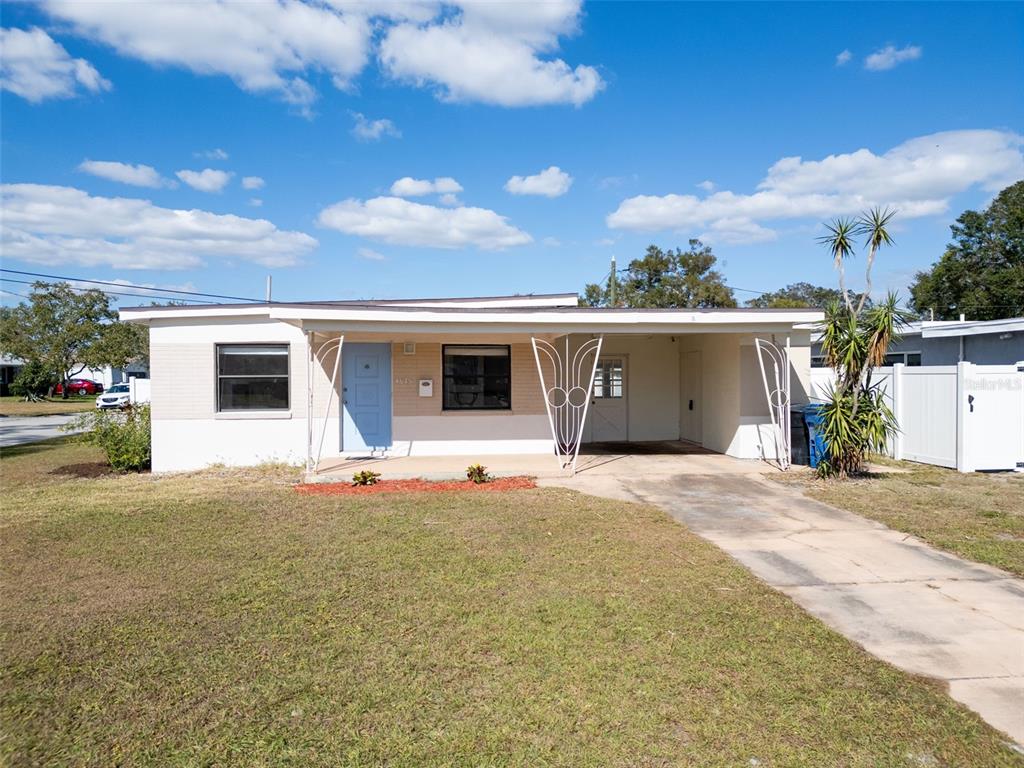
(613, 285)
(270, 283)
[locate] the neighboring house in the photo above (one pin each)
(9, 367)
(234, 383)
(109, 376)
(948, 342)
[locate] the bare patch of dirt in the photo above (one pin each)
(89, 469)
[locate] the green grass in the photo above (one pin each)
(223, 619)
(16, 406)
(979, 516)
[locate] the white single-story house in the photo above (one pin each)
(242, 384)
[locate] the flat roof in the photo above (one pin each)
(560, 320)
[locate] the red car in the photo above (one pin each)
(80, 387)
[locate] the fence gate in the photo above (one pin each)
(992, 417)
(926, 400)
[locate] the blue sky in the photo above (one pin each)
(655, 123)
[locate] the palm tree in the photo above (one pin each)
(856, 419)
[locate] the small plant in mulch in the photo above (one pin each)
(365, 477)
(478, 474)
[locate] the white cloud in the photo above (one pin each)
(410, 187)
(492, 53)
(265, 47)
(370, 255)
(366, 129)
(707, 185)
(551, 182)
(212, 154)
(551, 242)
(36, 67)
(917, 177)
(891, 56)
(136, 175)
(843, 57)
(496, 53)
(62, 225)
(206, 180)
(397, 221)
(255, 202)
(252, 182)
(449, 199)
(150, 289)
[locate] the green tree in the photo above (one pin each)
(981, 274)
(796, 295)
(666, 279)
(63, 331)
(855, 339)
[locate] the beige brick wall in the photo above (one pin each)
(184, 380)
(407, 370)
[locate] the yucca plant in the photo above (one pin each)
(855, 339)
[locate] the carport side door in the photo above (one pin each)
(691, 426)
(608, 418)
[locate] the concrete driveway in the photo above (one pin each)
(15, 430)
(922, 610)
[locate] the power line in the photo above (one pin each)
(110, 293)
(126, 285)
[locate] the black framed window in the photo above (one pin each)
(477, 378)
(252, 377)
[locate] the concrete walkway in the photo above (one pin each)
(16, 430)
(922, 610)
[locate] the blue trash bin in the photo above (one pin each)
(812, 418)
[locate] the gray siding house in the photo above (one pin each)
(948, 342)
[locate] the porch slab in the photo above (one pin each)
(616, 460)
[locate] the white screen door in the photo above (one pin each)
(609, 414)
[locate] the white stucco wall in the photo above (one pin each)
(189, 433)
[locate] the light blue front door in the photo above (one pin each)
(366, 397)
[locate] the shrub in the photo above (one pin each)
(478, 473)
(124, 435)
(32, 380)
(365, 477)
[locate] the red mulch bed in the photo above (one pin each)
(415, 486)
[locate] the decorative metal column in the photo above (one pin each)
(777, 392)
(318, 356)
(568, 396)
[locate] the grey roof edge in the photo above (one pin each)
(465, 310)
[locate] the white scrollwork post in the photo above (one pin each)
(567, 393)
(318, 356)
(777, 392)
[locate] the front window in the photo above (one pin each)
(252, 377)
(608, 379)
(477, 378)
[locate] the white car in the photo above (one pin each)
(118, 396)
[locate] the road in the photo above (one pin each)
(16, 430)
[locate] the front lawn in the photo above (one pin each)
(979, 516)
(224, 619)
(17, 406)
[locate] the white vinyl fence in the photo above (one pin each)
(967, 417)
